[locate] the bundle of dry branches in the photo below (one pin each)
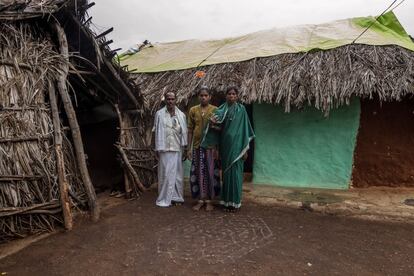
(29, 190)
(325, 79)
(137, 156)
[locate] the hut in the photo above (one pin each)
(331, 104)
(58, 84)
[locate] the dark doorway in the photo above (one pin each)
(99, 128)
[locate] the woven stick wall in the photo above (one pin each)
(138, 157)
(29, 191)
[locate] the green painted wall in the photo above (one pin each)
(303, 148)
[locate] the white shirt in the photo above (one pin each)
(173, 132)
(159, 128)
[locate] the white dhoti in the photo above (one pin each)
(170, 178)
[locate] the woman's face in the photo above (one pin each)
(231, 96)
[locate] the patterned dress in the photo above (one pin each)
(204, 174)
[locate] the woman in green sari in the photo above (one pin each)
(231, 131)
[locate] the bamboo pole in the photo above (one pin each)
(60, 164)
(74, 126)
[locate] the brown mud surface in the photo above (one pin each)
(138, 238)
(384, 154)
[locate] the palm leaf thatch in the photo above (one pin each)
(324, 79)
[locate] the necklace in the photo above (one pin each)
(203, 111)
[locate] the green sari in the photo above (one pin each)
(233, 141)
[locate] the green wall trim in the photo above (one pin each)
(304, 148)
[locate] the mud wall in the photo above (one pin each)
(384, 155)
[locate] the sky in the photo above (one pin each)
(173, 20)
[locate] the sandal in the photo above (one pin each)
(176, 203)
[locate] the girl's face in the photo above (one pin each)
(204, 97)
(231, 96)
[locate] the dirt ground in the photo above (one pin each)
(383, 154)
(138, 238)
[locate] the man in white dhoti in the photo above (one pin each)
(170, 141)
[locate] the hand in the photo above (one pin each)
(189, 155)
(213, 119)
(245, 156)
(184, 154)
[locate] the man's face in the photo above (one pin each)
(231, 96)
(204, 97)
(170, 99)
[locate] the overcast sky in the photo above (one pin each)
(172, 20)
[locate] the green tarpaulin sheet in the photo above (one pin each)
(386, 30)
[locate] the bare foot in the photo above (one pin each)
(209, 206)
(198, 206)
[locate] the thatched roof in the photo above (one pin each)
(325, 68)
(97, 75)
(325, 79)
(24, 9)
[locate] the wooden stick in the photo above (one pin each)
(124, 86)
(142, 160)
(12, 64)
(74, 126)
(7, 178)
(130, 168)
(128, 128)
(122, 141)
(60, 164)
(23, 108)
(8, 211)
(110, 66)
(137, 149)
(143, 167)
(24, 139)
(104, 33)
(87, 21)
(107, 43)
